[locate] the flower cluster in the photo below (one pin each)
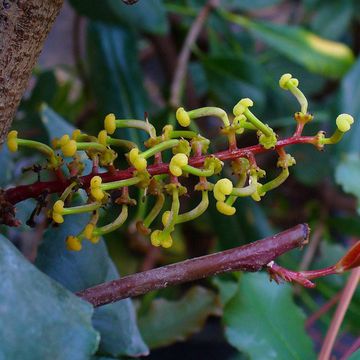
(160, 180)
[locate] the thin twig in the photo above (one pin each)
(251, 257)
(180, 72)
(344, 302)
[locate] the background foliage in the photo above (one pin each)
(125, 58)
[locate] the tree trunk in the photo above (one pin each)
(24, 25)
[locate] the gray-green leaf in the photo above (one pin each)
(39, 318)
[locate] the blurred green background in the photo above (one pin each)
(106, 57)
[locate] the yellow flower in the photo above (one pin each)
(57, 213)
(344, 122)
(12, 141)
(76, 133)
(156, 239)
(225, 209)
(177, 162)
(222, 188)
(73, 243)
(183, 117)
(95, 239)
(102, 137)
(110, 123)
(241, 106)
(88, 231)
(165, 217)
(284, 81)
(137, 160)
(68, 146)
(95, 188)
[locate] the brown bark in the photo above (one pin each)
(24, 25)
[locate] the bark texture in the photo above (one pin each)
(24, 25)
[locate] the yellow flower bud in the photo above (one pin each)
(136, 160)
(95, 239)
(102, 137)
(165, 217)
(183, 117)
(68, 147)
(12, 141)
(73, 243)
(88, 231)
(76, 133)
(155, 238)
(110, 123)
(95, 188)
(177, 162)
(57, 212)
(222, 188)
(167, 242)
(225, 209)
(284, 80)
(344, 122)
(241, 106)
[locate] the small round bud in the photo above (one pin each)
(155, 238)
(136, 160)
(57, 212)
(167, 242)
(183, 117)
(12, 141)
(73, 243)
(284, 80)
(222, 188)
(88, 231)
(242, 105)
(102, 137)
(110, 123)
(225, 209)
(76, 133)
(344, 122)
(177, 162)
(165, 217)
(95, 188)
(68, 146)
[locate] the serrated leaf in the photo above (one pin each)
(91, 266)
(263, 321)
(355, 355)
(169, 321)
(39, 319)
(115, 75)
(148, 16)
(347, 175)
(319, 55)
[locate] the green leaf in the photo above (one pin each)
(249, 5)
(332, 18)
(349, 95)
(89, 267)
(115, 75)
(321, 56)
(232, 78)
(263, 321)
(148, 16)
(355, 355)
(39, 318)
(347, 175)
(169, 321)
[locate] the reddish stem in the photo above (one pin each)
(23, 192)
(251, 257)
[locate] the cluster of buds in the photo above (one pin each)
(157, 180)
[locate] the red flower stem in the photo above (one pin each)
(339, 315)
(23, 192)
(251, 257)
